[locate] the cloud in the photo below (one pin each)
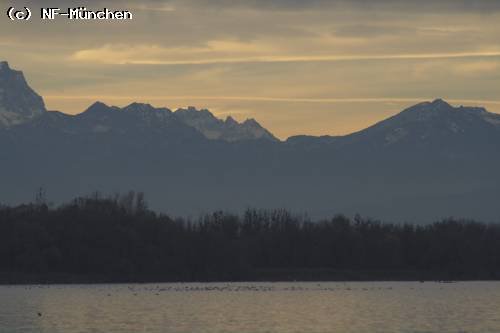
(152, 7)
(231, 52)
(291, 5)
(212, 52)
(373, 30)
(477, 68)
(482, 6)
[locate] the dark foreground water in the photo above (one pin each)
(253, 307)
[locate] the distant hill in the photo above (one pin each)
(430, 161)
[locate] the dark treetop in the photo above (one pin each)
(118, 239)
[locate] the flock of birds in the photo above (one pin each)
(138, 289)
(219, 287)
(188, 287)
(248, 288)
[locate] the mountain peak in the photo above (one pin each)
(97, 106)
(254, 129)
(432, 123)
(216, 129)
(429, 109)
(148, 111)
(136, 105)
(192, 110)
(4, 65)
(440, 102)
(98, 109)
(435, 105)
(140, 107)
(251, 122)
(230, 121)
(18, 102)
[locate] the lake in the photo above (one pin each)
(355, 307)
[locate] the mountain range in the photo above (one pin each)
(430, 161)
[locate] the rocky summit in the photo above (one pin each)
(18, 102)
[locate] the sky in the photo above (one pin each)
(314, 67)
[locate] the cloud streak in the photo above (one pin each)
(153, 55)
(295, 5)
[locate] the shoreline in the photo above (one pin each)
(13, 279)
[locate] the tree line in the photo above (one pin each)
(118, 239)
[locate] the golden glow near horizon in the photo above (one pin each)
(298, 67)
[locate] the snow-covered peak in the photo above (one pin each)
(193, 114)
(253, 129)
(148, 116)
(217, 129)
(18, 102)
(431, 124)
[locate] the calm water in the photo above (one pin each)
(253, 307)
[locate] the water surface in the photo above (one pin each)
(253, 307)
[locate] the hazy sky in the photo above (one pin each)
(313, 67)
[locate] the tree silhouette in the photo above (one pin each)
(117, 239)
